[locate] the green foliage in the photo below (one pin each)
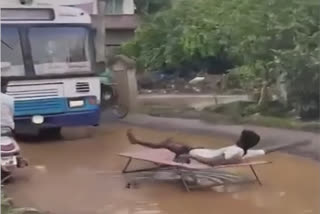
(251, 109)
(303, 70)
(246, 77)
(6, 206)
(301, 61)
(171, 37)
(261, 38)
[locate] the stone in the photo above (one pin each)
(27, 211)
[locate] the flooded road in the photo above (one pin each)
(82, 175)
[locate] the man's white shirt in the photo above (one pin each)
(229, 153)
(7, 111)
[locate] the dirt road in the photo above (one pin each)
(81, 175)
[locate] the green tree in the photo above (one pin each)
(260, 38)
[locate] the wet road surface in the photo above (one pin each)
(81, 174)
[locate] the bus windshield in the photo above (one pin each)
(60, 50)
(11, 53)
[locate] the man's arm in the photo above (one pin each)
(285, 146)
(252, 153)
(260, 152)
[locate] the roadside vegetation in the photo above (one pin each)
(8, 208)
(269, 49)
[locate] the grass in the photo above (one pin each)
(6, 205)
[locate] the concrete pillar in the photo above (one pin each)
(124, 70)
(101, 32)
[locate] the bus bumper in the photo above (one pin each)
(77, 118)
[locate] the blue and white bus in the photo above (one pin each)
(47, 53)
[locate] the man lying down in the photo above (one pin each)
(227, 155)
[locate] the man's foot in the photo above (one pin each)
(22, 162)
(167, 141)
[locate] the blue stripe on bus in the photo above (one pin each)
(79, 118)
(40, 106)
(82, 118)
(48, 107)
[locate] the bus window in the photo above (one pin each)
(60, 50)
(11, 52)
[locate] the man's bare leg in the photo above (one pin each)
(134, 140)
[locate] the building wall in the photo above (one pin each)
(120, 7)
(114, 39)
(128, 7)
(117, 37)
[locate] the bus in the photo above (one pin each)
(48, 56)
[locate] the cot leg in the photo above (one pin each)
(186, 186)
(126, 166)
(256, 175)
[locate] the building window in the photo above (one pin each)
(114, 7)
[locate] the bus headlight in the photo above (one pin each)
(76, 103)
(37, 119)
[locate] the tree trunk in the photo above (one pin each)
(265, 96)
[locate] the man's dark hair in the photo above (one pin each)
(247, 140)
(4, 84)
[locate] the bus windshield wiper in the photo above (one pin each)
(6, 44)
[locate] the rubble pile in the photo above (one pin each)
(197, 85)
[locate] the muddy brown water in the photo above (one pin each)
(82, 175)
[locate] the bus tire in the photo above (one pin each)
(106, 91)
